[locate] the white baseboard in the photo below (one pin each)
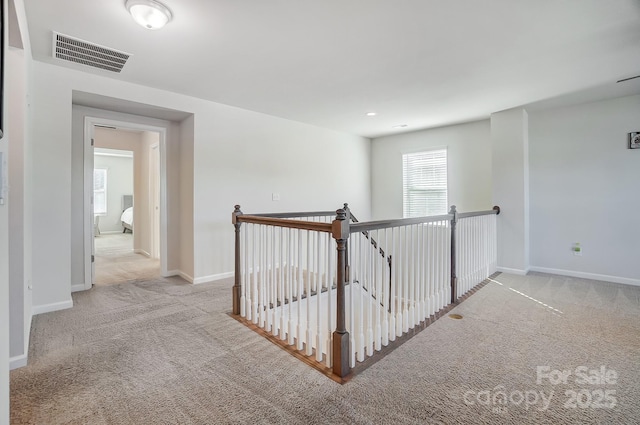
(110, 232)
(143, 252)
(78, 287)
(202, 279)
(584, 275)
(17, 361)
(213, 277)
(47, 308)
(518, 272)
(181, 274)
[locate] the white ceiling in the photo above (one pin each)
(423, 63)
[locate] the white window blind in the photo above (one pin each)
(100, 191)
(424, 183)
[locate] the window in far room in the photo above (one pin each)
(424, 183)
(100, 191)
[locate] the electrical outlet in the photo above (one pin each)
(275, 196)
(577, 249)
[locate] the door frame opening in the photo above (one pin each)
(89, 241)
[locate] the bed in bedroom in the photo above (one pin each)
(127, 220)
(127, 214)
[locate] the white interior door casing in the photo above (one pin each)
(154, 187)
(157, 195)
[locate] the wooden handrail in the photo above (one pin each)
(331, 214)
(495, 210)
(281, 222)
(381, 224)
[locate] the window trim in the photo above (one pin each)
(404, 155)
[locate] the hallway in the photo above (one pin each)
(116, 261)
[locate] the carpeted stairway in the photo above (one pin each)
(166, 352)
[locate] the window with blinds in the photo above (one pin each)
(424, 183)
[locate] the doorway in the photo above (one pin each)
(116, 260)
(124, 202)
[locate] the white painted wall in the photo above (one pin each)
(17, 74)
(584, 188)
(4, 300)
(510, 169)
(15, 120)
(238, 157)
(119, 183)
(4, 285)
(51, 132)
(14, 313)
(469, 166)
(242, 157)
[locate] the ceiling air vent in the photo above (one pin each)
(85, 53)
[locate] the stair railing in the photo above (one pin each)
(287, 283)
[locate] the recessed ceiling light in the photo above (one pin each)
(150, 14)
(400, 126)
(371, 114)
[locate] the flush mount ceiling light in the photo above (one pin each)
(150, 14)
(371, 114)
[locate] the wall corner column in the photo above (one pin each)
(510, 184)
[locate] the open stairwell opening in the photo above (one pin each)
(337, 292)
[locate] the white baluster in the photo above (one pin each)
(385, 291)
(290, 286)
(243, 270)
(405, 279)
(418, 274)
(395, 325)
(300, 328)
(446, 259)
(411, 261)
(379, 301)
(308, 325)
(330, 255)
(437, 266)
(319, 309)
(283, 322)
(255, 277)
(461, 252)
(360, 341)
(370, 301)
(353, 264)
(428, 269)
(261, 276)
(271, 324)
(421, 280)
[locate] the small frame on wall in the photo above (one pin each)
(634, 140)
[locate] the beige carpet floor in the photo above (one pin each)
(116, 262)
(166, 352)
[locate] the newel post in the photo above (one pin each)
(341, 357)
(237, 280)
(454, 278)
